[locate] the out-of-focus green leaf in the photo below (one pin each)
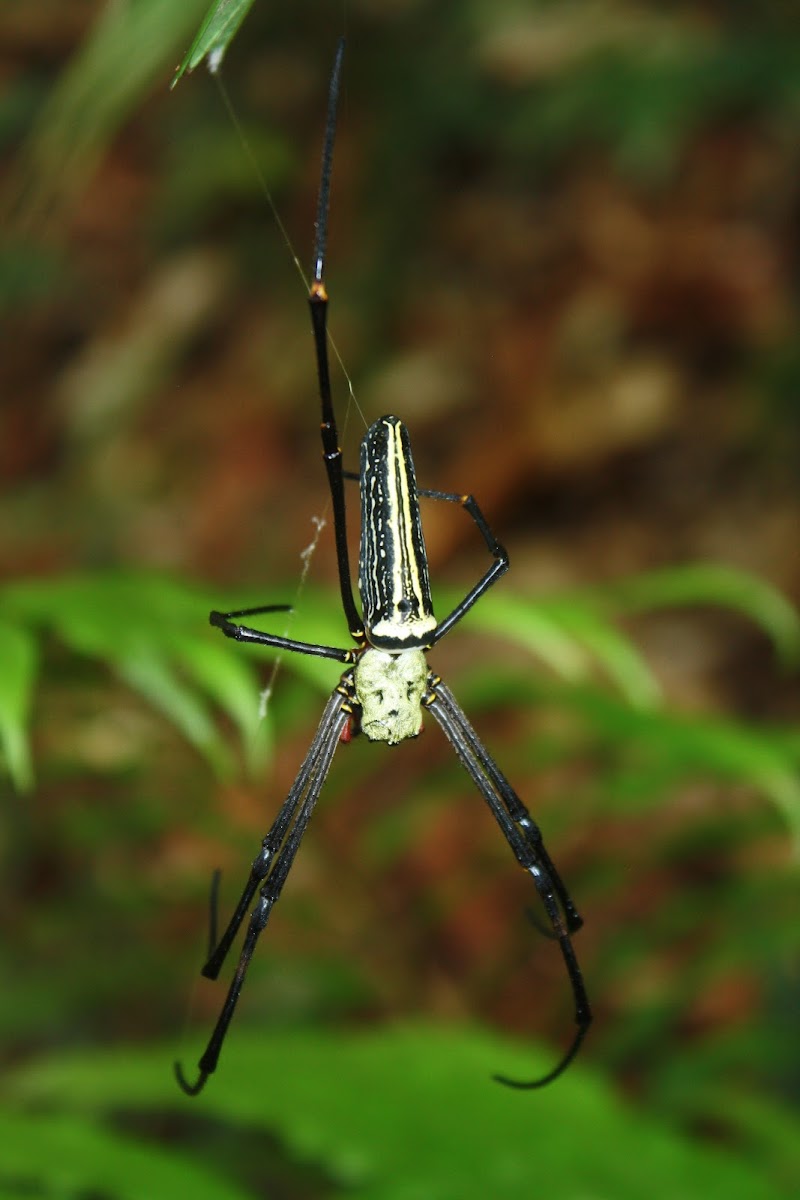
(572, 639)
(127, 48)
(140, 625)
(150, 674)
(614, 653)
(717, 584)
(690, 1087)
(699, 744)
(58, 1155)
(647, 90)
(146, 626)
(217, 31)
(18, 663)
(230, 680)
(540, 631)
(573, 634)
(442, 1129)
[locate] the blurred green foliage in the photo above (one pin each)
(145, 628)
(133, 751)
(398, 1113)
(421, 1089)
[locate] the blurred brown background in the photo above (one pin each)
(564, 248)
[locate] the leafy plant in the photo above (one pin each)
(217, 31)
(135, 718)
(386, 1114)
(84, 1114)
(149, 630)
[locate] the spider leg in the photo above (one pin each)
(213, 910)
(525, 840)
(516, 809)
(318, 301)
(498, 552)
(268, 874)
(243, 633)
(259, 609)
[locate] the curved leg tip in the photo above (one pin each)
(558, 1069)
(520, 1084)
(191, 1089)
(529, 1085)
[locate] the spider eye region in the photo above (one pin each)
(389, 688)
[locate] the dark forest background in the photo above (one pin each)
(564, 248)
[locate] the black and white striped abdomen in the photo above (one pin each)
(393, 568)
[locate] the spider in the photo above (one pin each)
(388, 684)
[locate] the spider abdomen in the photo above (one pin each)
(393, 569)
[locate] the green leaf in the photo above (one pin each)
(713, 583)
(230, 680)
(217, 31)
(18, 663)
(139, 625)
(129, 46)
(60, 1155)
(150, 674)
(572, 638)
(412, 1112)
(757, 1121)
(530, 625)
(610, 649)
(701, 744)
